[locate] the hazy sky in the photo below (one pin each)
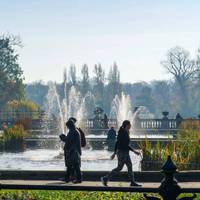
(134, 33)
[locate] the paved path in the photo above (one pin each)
(89, 183)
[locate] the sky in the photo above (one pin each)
(136, 34)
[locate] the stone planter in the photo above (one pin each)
(154, 165)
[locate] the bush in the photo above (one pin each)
(17, 133)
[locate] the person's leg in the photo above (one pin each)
(68, 173)
(130, 171)
(73, 174)
(129, 167)
(116, 170)
(78, 174)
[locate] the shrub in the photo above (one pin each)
(17, 132)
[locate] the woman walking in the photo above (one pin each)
(122, 149)
(72, 152)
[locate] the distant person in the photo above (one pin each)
(111, 137)
(105, 121)
(111, 134)
(122, 149)
(179, 119)
(72, 152)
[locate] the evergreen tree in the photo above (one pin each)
(114, 87)
(11, 75)
(99, 82)
(72, 75)
(85, 82)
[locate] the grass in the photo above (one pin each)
(61, 195)
(75, 195)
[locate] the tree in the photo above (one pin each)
(196, 85)
(72, 75)
(99, 81)
(114, 87)
(85, 82)
(162, 93)
(183, 68)
(11, 75)
(146, 99)
(37, 92)
(114, 79)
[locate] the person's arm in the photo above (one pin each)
(63, 137)
(79, 143)
(134, 151)
(115, 150)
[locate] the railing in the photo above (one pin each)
(100, 123)
(152, 125)
(147, 125)
(155, 124)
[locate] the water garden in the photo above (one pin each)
(29, 132)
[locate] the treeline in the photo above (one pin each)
(181, 94)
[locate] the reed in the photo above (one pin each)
(184, 151)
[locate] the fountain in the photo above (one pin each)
(42, 154)
(121, 109)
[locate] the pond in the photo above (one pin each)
(46, 154)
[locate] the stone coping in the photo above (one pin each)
(144, 176)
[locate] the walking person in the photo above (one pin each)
(72, 152)
(122, 149)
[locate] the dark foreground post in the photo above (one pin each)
(169, 188)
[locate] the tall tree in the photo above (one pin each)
(114, 79)
(114, 87)
(196, 85)
(183, 68)
(85, 82)
(72, 75)
(99, 82)
(11, 75)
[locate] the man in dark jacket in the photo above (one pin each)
(111, 138)
(72, 152)
(122, 149)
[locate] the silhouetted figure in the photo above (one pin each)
(83, 144)
(122, 149)
(72, 152)
(111, 137)
(82, 134)
(105, 121)
(179, 119)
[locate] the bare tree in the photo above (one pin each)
(183, 68)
